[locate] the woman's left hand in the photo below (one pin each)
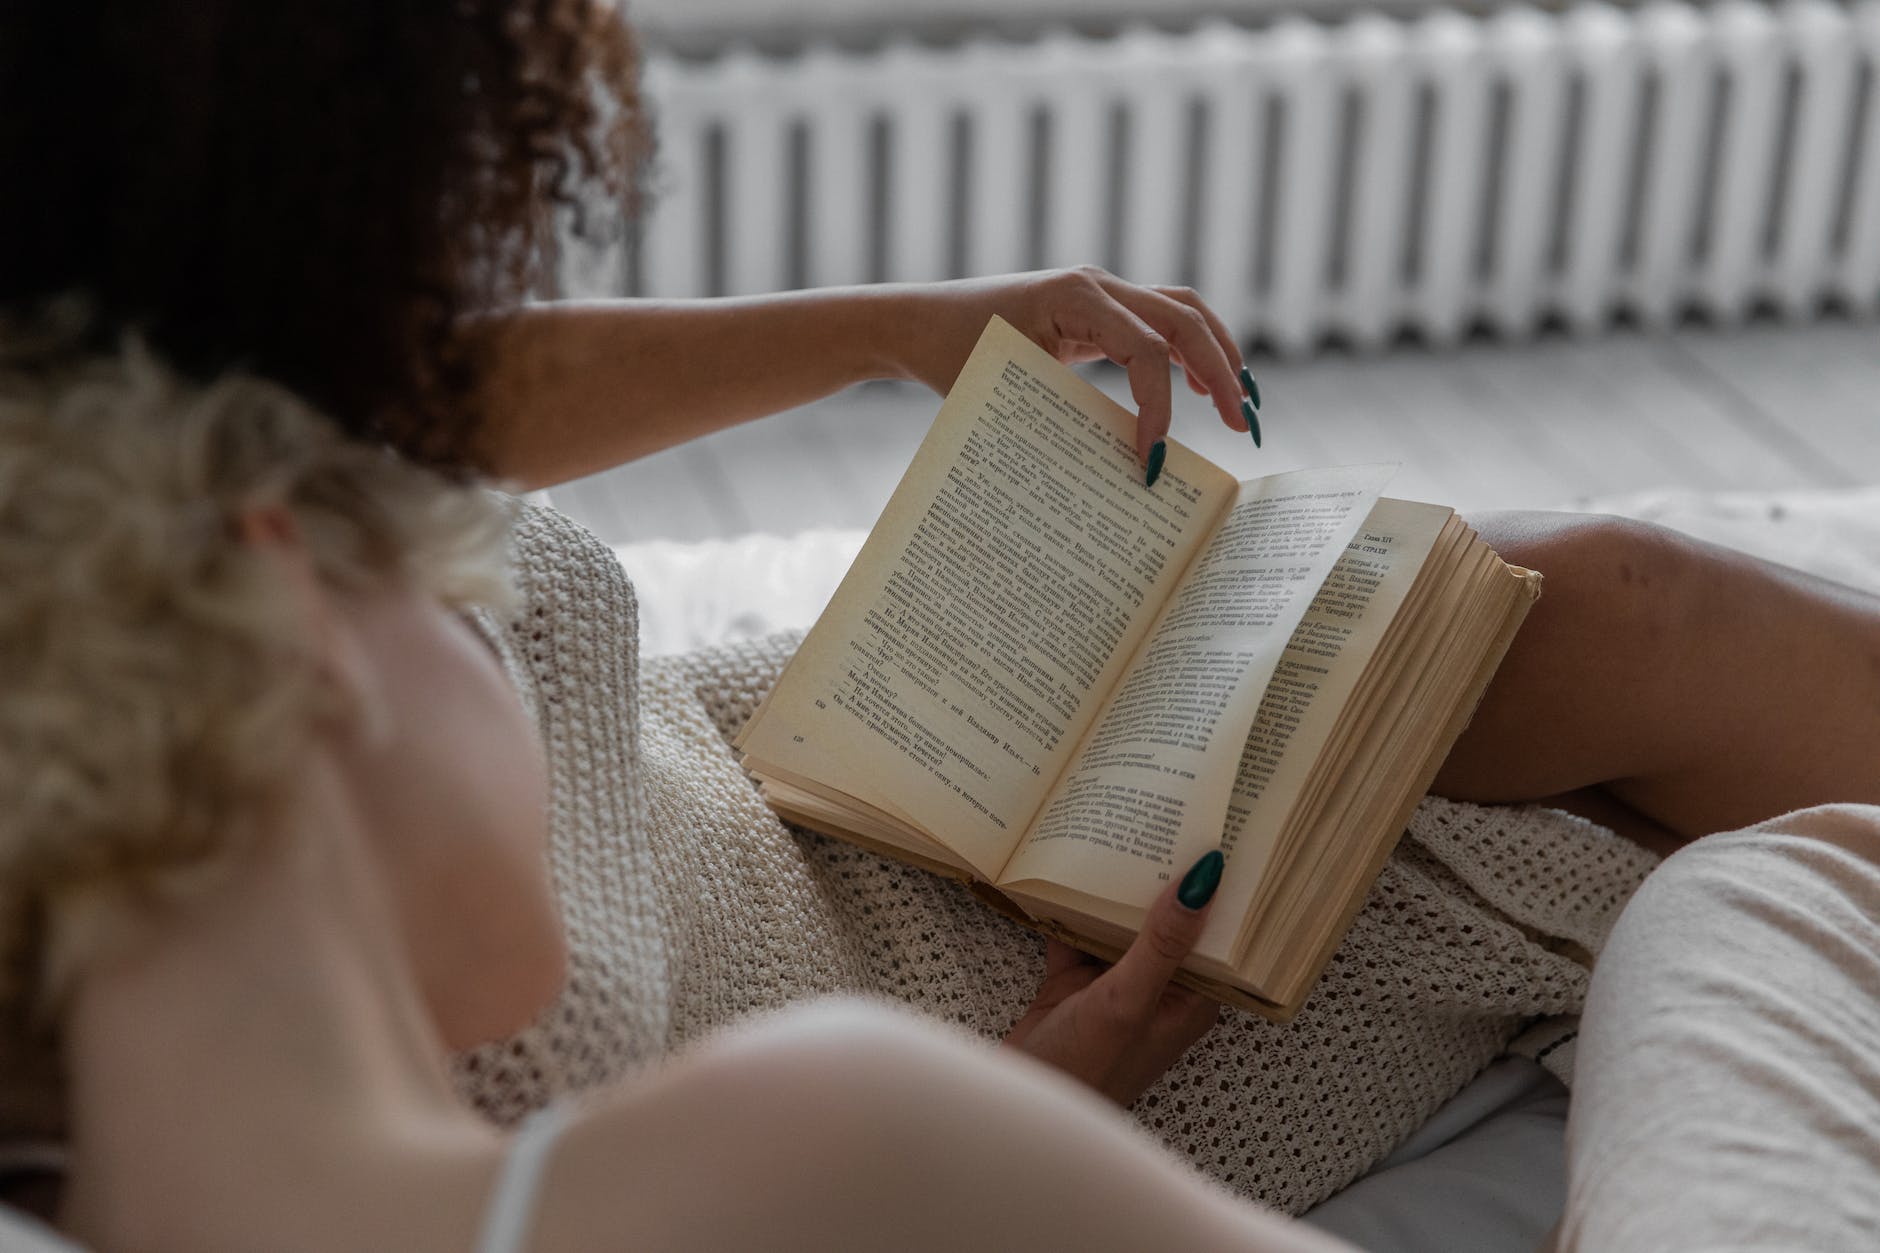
(1119, 1027)
(1082, 314)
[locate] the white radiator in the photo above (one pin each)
(1354, 181)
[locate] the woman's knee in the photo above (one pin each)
(1667, 670)
(1618, 600)
(1599, 567)
(1625, 607)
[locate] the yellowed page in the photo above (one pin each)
(1309, 694)
(1011, 576)
(1145, 795)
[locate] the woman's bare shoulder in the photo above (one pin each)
(736, 1144)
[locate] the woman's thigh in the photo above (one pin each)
(1703, 688)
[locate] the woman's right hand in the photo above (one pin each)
(1119, 1027)
(1080, 314)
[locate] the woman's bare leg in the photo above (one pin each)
(1700, 687)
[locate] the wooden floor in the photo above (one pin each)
(1488, 426)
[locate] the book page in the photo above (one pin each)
(1144, 797)
(1308, 696)
(1011, 576)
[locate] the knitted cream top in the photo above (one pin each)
(690, 906)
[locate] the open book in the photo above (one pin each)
(1065, 687)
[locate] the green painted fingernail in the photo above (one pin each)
(1252, 388)
(1198, 884)
(1157, 456)
(1253, 421)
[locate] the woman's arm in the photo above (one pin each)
(579, 387)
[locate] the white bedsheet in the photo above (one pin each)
(715, 591)
(1487, 1173)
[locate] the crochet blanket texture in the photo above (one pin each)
(690, 906)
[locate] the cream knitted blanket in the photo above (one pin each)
(689, 906)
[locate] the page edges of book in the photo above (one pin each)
(1315, 783)
(1192, 777)
(1348, 634)
(1519, 595)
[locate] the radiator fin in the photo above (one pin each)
(1353, 181)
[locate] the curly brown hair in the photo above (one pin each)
(320, 194)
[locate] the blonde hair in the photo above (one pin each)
(155, 687)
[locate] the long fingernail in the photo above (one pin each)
(1252, 388)
(1198, 884)
(1253, 421)
(1157, 456)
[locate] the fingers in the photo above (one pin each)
(1059, 957)
(1126, 339)
(1145, 330)
(1222, 336)
(1067, 974)
(1188, 339)
(1200, 341)
(1230, 351)
(1119, 1028)
(1182, 1017)
(1168, 935)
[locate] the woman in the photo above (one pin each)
(275, 842)
(354, 210)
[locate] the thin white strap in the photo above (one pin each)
(512, 1203)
